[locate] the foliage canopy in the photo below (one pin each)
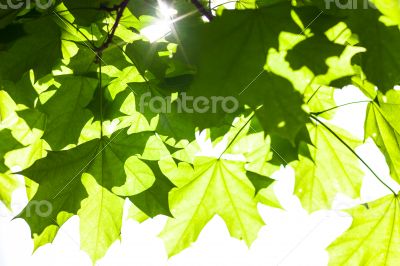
(74, 78)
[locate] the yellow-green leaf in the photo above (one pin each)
(373, 238)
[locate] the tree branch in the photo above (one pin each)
(207, 13)
(120, 10)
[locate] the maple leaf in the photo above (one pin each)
(383, 127)
(72, 80)
(373, 238)
(217, 187)
(72, 180)
(42, 53)
(237, 70)
(318, 182)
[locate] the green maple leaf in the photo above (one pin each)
(381, 61)
(7, 186)
(140, 8)
(236, 70)
(8, 143)
(318, 182)
(21, 92)
(390, 8)
(217, 187)
(88, 11)
(271, 59)
(154, 200)
(304, 53)
(373, 238)
(39, 49)
(172, 124)
(67, 183)
(145, 56)
(383, 126)
(281, 113)
(66, 110)
(153, 60)
(100, 218)
(321, 98)
(84, 62)
(259, 181)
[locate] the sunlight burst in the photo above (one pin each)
(162, 27)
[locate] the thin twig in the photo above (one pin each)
(207, 13)
(120, 10)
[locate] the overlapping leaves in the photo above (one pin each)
(64, 179)
(71, 89)
(316, 181)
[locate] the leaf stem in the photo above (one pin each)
(69, 23)
(336, 107)
(228, 2)
(101, 99)
(314, 93)
(352, 151)
(237, 134)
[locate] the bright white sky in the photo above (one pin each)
(291, 236)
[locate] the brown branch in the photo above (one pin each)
(120, 10)
(207, 13)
